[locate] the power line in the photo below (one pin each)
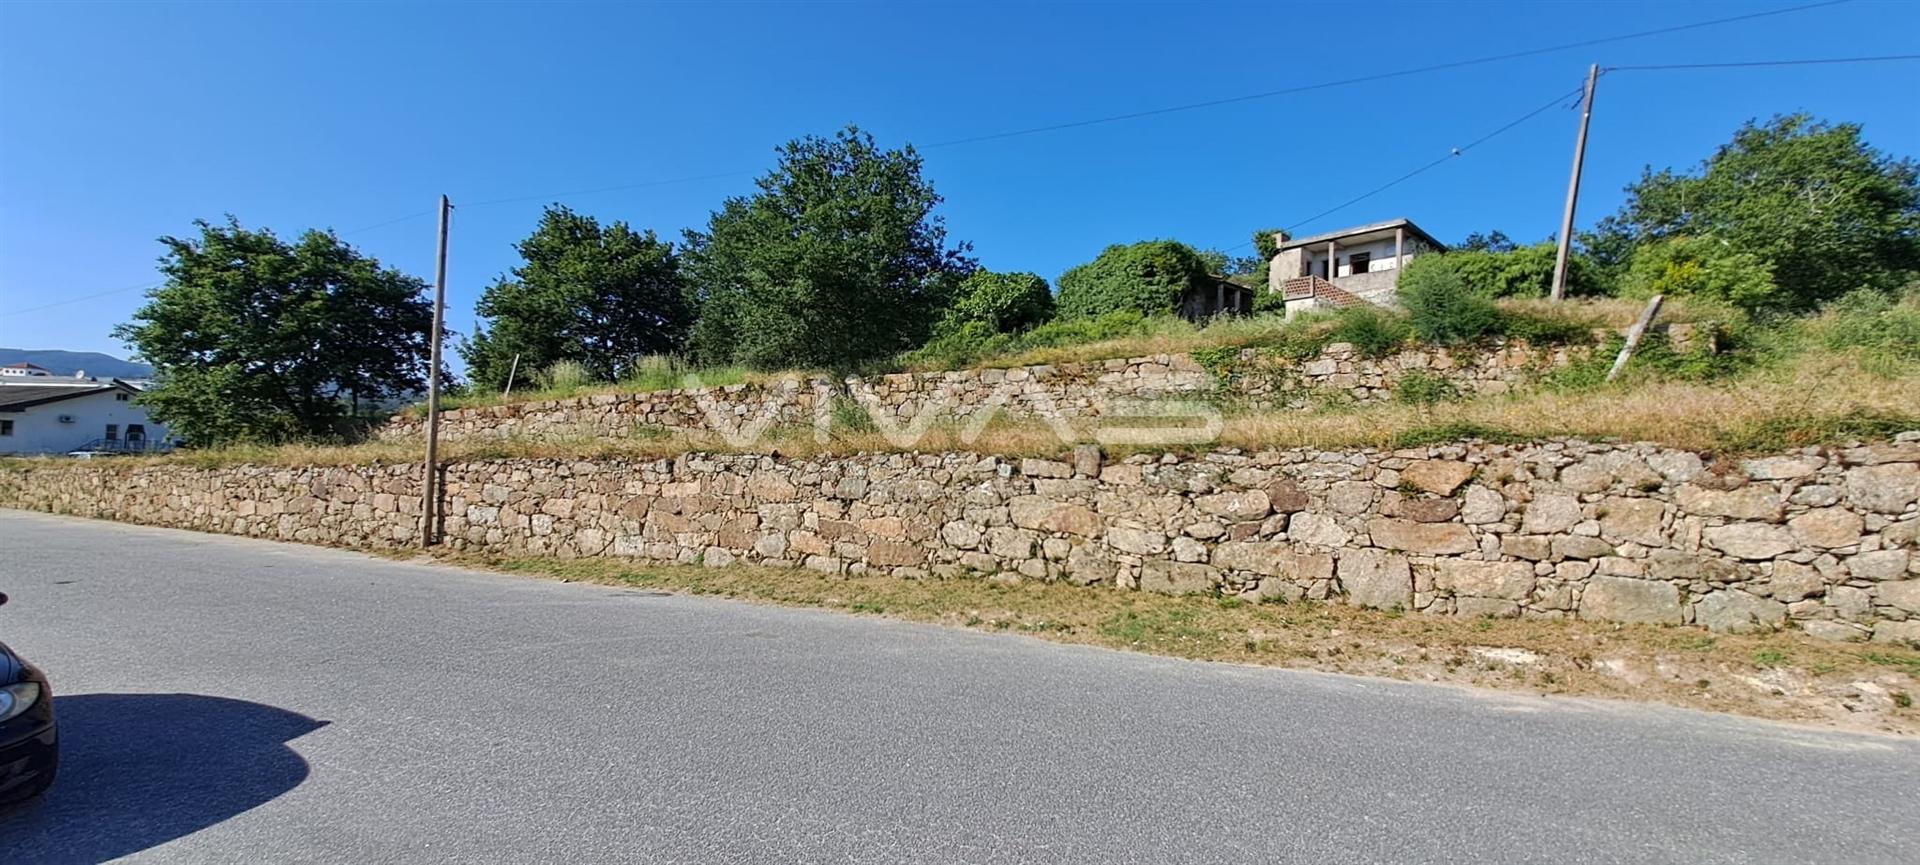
(1381, 76)
(152, 285)
(1751, 63)
(83, 297)
(1495, 58)
(639, 185)
(1450, 155)
(1304, 88)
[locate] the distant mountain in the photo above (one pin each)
(65, 363)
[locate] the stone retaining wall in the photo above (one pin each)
(1251, 378)
(1633, 533)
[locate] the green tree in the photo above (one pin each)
(601, 297)
(254, 338)
(1220, 262)
(838, 259)
(1701, 268)
(1828, 212)
(1492, 241)
(1148, 276)
(1004, 302)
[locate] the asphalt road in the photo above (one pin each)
(225, 700)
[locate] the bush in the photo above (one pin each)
(1444, 310)
(563, 375)
(1148, 277)
(1005, 302)
(1701, 268)
(1375, 332)
(1523, 272)
(974, 341)
(1548, 327)
(1420, 387)
(1884, 329)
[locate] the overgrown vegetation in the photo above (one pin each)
(1147, 277)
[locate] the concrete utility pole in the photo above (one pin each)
(430, 492)
(1573, 188)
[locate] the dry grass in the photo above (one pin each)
(1785, 675)
(1167, 335)
(1819, 397)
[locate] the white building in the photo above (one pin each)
(1342, 268)
(54, 415)
(24, 370)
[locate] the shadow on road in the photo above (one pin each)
(138, 770)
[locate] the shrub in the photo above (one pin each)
(1005, 302)
(1375, 332)
(1884, 329)
(1420, 387)
(563, 375)
(974, 341)
(961, 346)
(1701, 268)
(1444, 310)
(1523, 272)
(1148, 277)
(1548, 327)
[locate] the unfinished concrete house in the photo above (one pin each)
(1346, 267)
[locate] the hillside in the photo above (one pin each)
(66, 362)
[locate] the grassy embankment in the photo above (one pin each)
(1843, 375)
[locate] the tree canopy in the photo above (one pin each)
(1148, 276)
(598, 296)
(838, 259)
(254, 338)
(1003, 302)
(1813, 201)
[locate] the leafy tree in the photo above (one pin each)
(1697, 267)
(837, 260)
(598, 296)
(1266, 244)
(1220, 262)
(1492, 241)
(1525, 271)
(1003, 302)
(1828, 212)
(254, 338)
(1148, 276)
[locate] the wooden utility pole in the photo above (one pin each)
(430, 487)
(1634, 335)
(1573, 188)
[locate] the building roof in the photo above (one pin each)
(1378, 230)
(20, 397)
(24, 365)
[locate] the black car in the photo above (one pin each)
(29, 745)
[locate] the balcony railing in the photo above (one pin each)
(127, 446)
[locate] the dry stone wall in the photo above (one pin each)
(1821, 538)
(1069, 390)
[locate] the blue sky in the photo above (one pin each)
(123, 122)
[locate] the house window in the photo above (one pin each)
(113, 432)
(1359, 262)
(136, 432)
(6, 427)
(120, 396)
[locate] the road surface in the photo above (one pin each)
(227, 700)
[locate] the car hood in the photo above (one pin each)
(10, 667)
